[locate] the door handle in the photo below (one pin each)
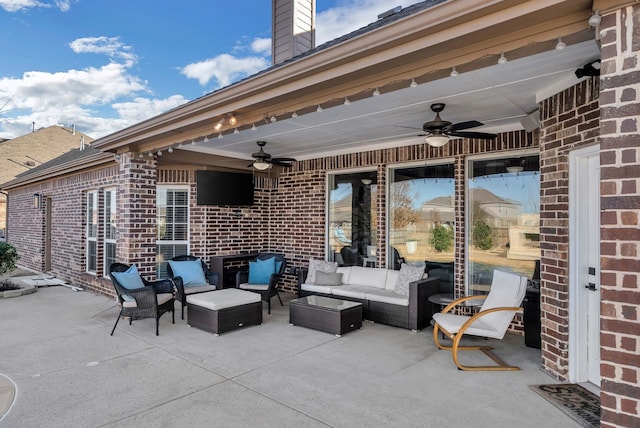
(591, 286)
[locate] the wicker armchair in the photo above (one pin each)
(151, 300)
(209, 283)
(268, 290)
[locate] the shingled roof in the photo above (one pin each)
(23, 155)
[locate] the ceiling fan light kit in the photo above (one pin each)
(436, 140)
(261, 165)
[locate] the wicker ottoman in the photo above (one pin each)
(225, 310)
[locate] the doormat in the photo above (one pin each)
(577, 402)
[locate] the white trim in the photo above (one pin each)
(88, 238)
(180, 187)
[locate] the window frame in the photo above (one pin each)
(175, 187)
(467, 201)
(91, 212)
(414, 164)
(329, 180)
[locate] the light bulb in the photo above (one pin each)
(560, 45)
(454, 72)
(502, 59)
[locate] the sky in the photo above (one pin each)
(103, 65)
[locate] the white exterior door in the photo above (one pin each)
(584, 297)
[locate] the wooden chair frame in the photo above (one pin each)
(457, 337)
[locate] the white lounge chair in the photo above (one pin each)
(492, 321)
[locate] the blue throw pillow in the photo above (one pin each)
(129, 279)
(190, 271)
(260, 271)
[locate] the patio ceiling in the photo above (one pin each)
(424, 46)
(499, 96)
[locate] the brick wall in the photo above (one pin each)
(620, 226)
(67, 196)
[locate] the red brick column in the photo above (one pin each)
(136, 202)
(620, 228)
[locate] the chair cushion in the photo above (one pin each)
(328, 278)
(256, 287)
(130, 302)
(319, 265)
(194, 289)
(408, 273)
(260, 271)
(323, 289)
(452, 323)
(190, 271)
(129, 279)
(352, 291)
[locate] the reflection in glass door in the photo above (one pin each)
(422, 218)
(352, 218)
(503, 218)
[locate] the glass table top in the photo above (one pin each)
(325, 302)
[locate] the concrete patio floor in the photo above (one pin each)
(68, 372)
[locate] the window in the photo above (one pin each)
(421, 214)
(172, 204)
(352, 218)
(110, 229)
(92, 230)
(503, 218)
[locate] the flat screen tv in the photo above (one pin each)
(224, 188)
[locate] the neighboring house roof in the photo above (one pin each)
(26, 153)
(71, 161)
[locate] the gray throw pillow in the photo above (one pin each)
(319, 266)
(328, 278)
(408, 274)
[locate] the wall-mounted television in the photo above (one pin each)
(224, 188)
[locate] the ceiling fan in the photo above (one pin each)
(439, 131)
(263, 160)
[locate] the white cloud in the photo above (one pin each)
(111, 46)
(261, 46)
(350, 15)
(17, 5)
(225, 69)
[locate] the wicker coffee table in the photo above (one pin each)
(326, 314)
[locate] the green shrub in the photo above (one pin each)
(442, 238)
(8, 258)
(482, 235)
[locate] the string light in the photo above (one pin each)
(413, 83)
(503, 59)
(346, 101)
(560, 45)
(254, 127)
(170, 149)
(454, 73)
(376, 92)
(294, 115)
(319, 109)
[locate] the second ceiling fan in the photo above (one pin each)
(439, 131)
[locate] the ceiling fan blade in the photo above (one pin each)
(406, 127)
(464, 125)
(280, 163)
(283, 160)
(478, 135)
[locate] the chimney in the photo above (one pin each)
(73, 129)
(292, 29)
(82, 145)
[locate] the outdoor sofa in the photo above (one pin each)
(376, 289)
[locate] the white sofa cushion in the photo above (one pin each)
(352, 291)
(372, 277)
(392, 278)
(314, 288)
(346, 273)
(387, 296)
